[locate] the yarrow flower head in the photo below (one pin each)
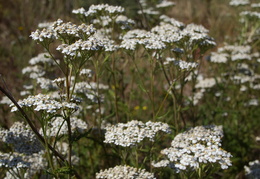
(26, 165)
(103, 9)
(133, 132)
(92, 44)
(14, 160)
(183, 65)
(22, 138)
(60, 30)
(194, 146)
(45, 103)
(41, 35)
(124, 172)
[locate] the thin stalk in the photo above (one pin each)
(152, 65)
(70, 142)
(39, 136)
(96, 65)
(54, 59)
(139, 74)
(115, 84)
(44, 128)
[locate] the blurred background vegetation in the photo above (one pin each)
(18, 18)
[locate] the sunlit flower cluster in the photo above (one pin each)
(199, 145)
(183, 65)
(41, 35)
(45, 103)
(60, 29)
(124, 172)
(92, 44)
(99, 9)
(133, 132)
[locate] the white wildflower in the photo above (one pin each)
(194, 146)
(124, 172)
(133, 132)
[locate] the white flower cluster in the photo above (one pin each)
(45, 25)
(149, 11)
(252, 102)
(121, 20)
(46, 83)
(45, 103)
(133, 132)
(124, 22)
(195, 146)
(198, 96)
(100, 8)
(41, 58)
(171, 21)
(89, 89)
(168, 32)
(251, 14)
(5, 100)
(86, 72)
(41, 35)
(22, 138)
(69, 28)
(108, 44)
(255, 5)
(236, 52)
(239, 2)
(34, 72)
(196, 28)
(183, 65)
(124, 172)
(219, 57)
(59, 29)
(164, 4)
(13, 160)
(149, 40)
(206, 83)
(58, 126)
(92, 44)
(253, 170)
(243, 73)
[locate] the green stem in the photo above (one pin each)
(115, 84)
